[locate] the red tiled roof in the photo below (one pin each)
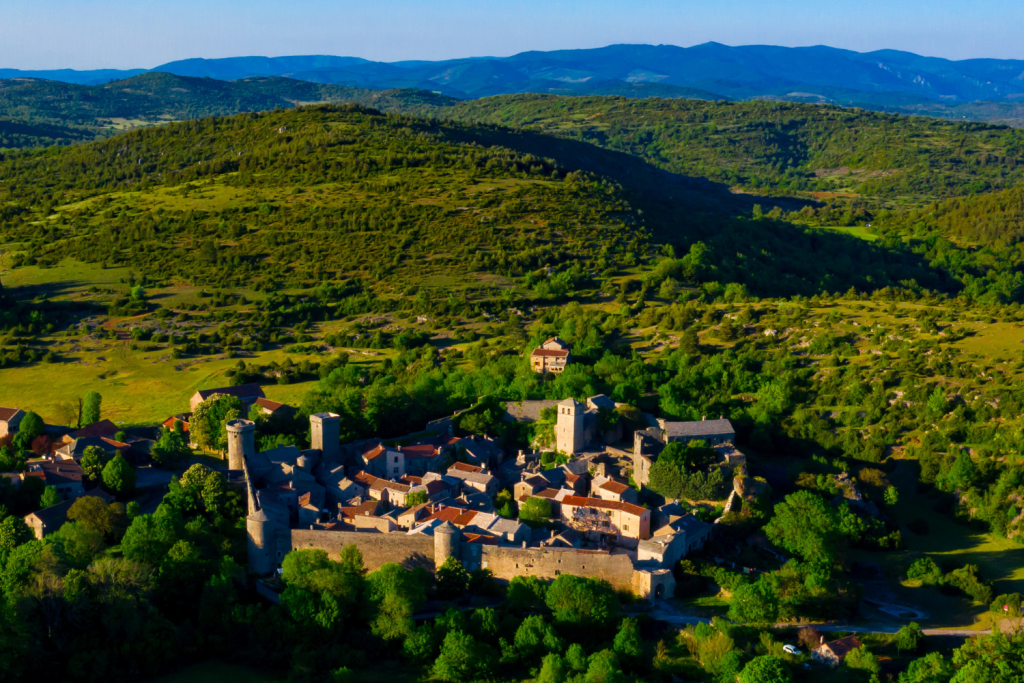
(583, 502)
(365, 478)
(840, 648)
(615, 487)
(480, 539)
(101, 428)
(7, 413)
(419, 450)
(550, 353)
(367, 508)
(184, 419)
(272, 406)
(116, 444)
(465, 519)
(466, 467)
(374, 453)
(435, 486)
(445, 514)
(572, 478)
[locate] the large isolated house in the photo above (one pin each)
(551, 356)
(648, 443)
(10, 418)
(246, 393)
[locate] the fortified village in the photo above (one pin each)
(420, 499)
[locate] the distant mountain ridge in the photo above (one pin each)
(817, 73)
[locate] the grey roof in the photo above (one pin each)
(288, 454)
(569, 402)
(500, 525)
(527, 411)
(602, 401)
(475, 477)
(702, 428)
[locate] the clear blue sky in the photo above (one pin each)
(90, 34)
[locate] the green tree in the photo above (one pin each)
(806, 525)
(96, 514)
(172, 448)
(908, 637)
(416, 498)
(462, 658)
(119, 476)
(755, 603)
(452, 579)
(76, 544)
(534, 637)
(589, 604)
(603, 667)
(93, 461)
(50, 497)
(892, 496)
(932, 668)
(765, 669)
(628, 644)
(91, 408)
(552, 670)
(207, 425)
(535, 512)
(863, 659)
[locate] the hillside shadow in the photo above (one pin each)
(770, 257)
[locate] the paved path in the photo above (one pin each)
(668, 613)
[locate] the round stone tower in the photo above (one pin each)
(447, 539)
(257, 526)
(241, 442)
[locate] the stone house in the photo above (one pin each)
(674, 540)
(10, 418)
(551, 356)
(382, 461)
(596, 517)
(475, 478)
(246, 393)
(64, 475)
(274, 408)
(607, 488)
(340, 488)
(74, 450)
(49, 520)
(833, 653)
(477, 450)
(428, 455)
(649, 442)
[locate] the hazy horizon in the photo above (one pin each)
(113, 34)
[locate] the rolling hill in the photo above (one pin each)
(884, 78)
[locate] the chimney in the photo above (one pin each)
(524, 545)
(703, 418)
(822, 640)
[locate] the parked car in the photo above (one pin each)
(791, 650)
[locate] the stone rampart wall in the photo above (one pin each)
(377, 548)
(547, 563)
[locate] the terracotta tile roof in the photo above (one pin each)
(241, 391)
(101, 428)
(615, 487)
(550, 353)
(572, 478)
(445, 514)
(365, 478)
(411, 479)
(183, 418)
(465, 519)
(465, 467)
(7, 413)
(272, 406)
(480, 539)
(842, 647)
(367, 508)
(421, 450)
(582, 502)
(374, 453)
(435, 486)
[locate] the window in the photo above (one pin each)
(558, 573)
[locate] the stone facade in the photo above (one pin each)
(325, 435)
(569, 428)
(241, 442)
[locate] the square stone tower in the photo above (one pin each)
(325, 436)
(569, 428)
